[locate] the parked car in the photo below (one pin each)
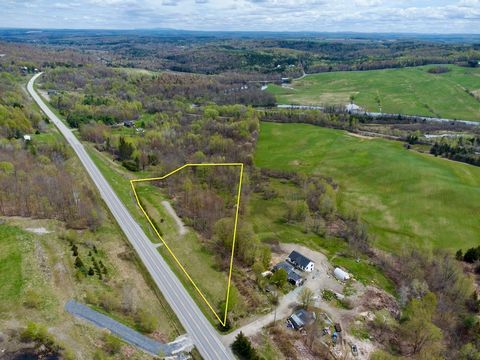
(354, 350)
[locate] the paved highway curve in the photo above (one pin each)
(204, 336)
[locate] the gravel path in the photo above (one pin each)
(125, 333)
(182, 229)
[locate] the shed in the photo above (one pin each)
(27, 137)
(352, 108)
(301, 262)
(301, 318)
(341, 274)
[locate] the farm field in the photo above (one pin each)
(266, 218)
(405, 197)
(412, 91)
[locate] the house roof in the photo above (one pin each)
(293, 276)
(352, 107)
(302, 317)
(291, 273)
(299, 259)
(283, 265)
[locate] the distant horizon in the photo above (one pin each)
(239, 31)
(364, 16)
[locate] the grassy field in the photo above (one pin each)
(265, 215)
(411, 91)
(405, 197)
(11, 280)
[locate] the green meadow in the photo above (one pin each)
(12, 278)
(412, 91)
(406, 198)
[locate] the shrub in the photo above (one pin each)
(33, 300)
(111, 344)
(131, 165)
(438, 70)
(145, 321)
(472, 255)
(328, 295)
(39, 334)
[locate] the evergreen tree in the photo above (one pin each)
(125, 149)
(243, 348)
(79, 263)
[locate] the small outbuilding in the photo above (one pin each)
(27, 138)
(128, 123)
(353, 108)
(301, 262)
(301, 318)
(341, 274)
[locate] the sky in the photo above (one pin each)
(400, 16)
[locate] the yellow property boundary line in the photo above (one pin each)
(239, 191)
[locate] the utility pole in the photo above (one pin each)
(275, 303)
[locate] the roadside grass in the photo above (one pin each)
(411, 91)
(406, 198)
(266, 217)
(117, 178)
(120, 182)
(188, 248)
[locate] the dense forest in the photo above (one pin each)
(263, 57)
(113, 96)
(48, 193)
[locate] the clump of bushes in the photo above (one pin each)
(471, 255)
(438, 70)
(39, 334)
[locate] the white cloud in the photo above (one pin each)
(368, 2)
(440, 16)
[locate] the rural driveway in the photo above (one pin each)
(200, 330)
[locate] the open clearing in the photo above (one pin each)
(405, 197)
(412, 91)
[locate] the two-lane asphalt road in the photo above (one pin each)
(195, 323)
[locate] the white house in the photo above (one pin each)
(341, 274)
(352, 108)
(300, 262)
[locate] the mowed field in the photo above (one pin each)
(412, 91)
(405, 197)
